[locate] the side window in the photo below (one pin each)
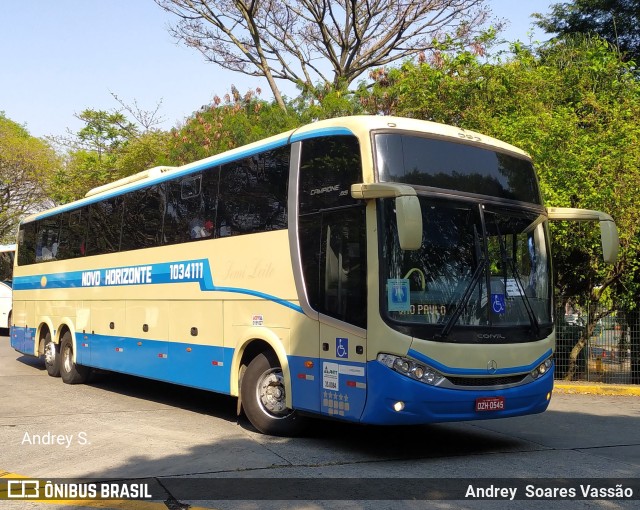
(332, 229)
(47, 239)
(143, 218)
(333, 248)
(190, 213)
(105, 223)
(253, 193)
(73, 231)
(27, 244)
(329, 166)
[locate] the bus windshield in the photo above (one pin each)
(479, 266)
(438, 163)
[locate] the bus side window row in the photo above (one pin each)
(241, 197)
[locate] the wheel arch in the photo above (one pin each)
(254, 342)
(66, 325)
(41, 333)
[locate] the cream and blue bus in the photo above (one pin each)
(372, 269)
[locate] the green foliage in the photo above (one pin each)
(227, 123)
(142, 152)
(573, 106)
(104, 132)
(616, 21)
(25, 161)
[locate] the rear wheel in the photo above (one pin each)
(263, 398)
(71, 372)
(51, 356)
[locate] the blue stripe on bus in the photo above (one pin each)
(206, 367)
(477, 371)
(329, 131)
(184, 271)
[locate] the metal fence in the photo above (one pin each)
(610, 346)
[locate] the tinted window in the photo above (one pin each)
(253, 194)
(73, 231)
(143, 218)
(328, 168)
(27, 244)
(47, 239)
(105, 222)
(332, 229)
(191, 207)
(458, 166)
(246, 196)
(334, 263)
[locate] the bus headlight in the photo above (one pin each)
(411, 368)
(542, 369)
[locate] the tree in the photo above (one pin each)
(108, 147)
(573, 105)
(25, 162)
(331, 41)
(231, 121)
(614, 20)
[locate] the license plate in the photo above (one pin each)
(489, 404)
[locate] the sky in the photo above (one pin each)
(59, 57)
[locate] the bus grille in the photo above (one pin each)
(487, 381)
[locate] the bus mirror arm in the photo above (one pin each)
(407, 205)
(608, 229)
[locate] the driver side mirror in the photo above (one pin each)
(608, 229)
(407, 205)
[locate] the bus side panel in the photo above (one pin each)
(108, 332)
(143, 350)
(23, 331)
(196, 352)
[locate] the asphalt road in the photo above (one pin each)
(129, 428)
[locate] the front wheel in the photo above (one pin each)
(71, 372)
(263, 398)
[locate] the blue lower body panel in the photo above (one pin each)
(206, 367)
(429, 404)
(23, 339)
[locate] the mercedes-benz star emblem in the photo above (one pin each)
(492, 367)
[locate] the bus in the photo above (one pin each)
(7, 252)
(373, 269)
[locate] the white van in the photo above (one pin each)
(7, 252)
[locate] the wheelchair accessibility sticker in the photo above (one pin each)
(398, 295)
(342, 347)
(498, 304)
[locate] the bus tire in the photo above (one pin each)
(70, 372)
(263, 398)
(51, 356)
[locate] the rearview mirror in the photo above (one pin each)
(608, 230)
(407, 205)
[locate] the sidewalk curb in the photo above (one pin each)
(576, 388)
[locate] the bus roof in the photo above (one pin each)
(360, 125)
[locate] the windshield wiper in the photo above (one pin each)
(527, 304)
(510, 261)
(477, 274)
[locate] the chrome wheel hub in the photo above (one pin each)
(271, 394)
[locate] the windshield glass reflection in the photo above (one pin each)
(478, 265)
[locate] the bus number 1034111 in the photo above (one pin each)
(186, 271)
